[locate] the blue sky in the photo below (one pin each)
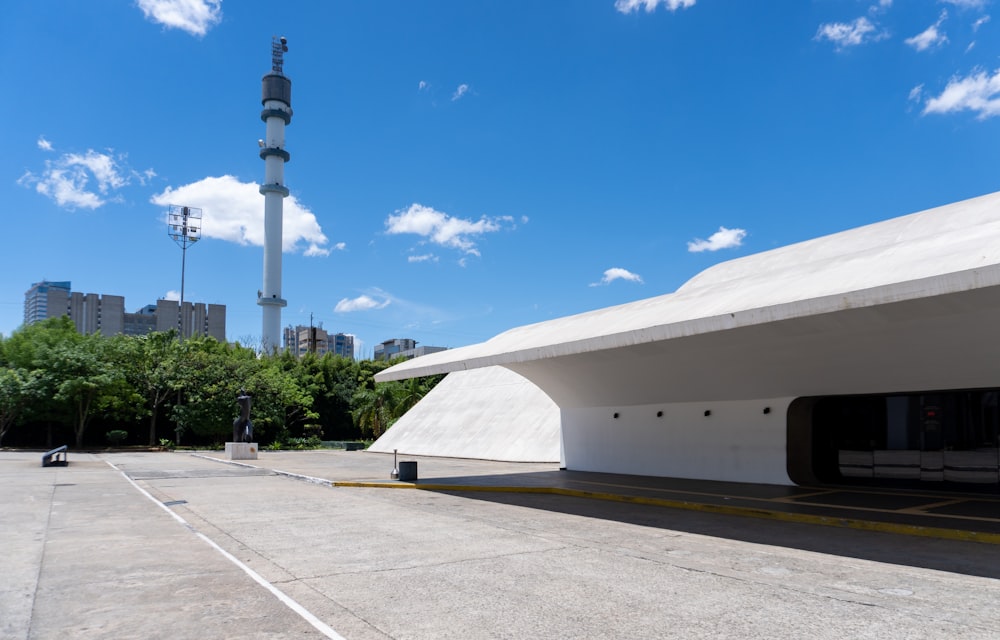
(460, 168)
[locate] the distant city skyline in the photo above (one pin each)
(107, 314)
(460, 169)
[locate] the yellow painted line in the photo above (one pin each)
(713, 494)
(768, 514)
(934, 505)
(798, 496)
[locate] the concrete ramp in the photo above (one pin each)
(489, 414)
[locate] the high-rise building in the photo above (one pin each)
(105, 314)
(141, 322)
(402, 348)
(43, 296)
(301, 340)
(192, 319)
(342, 344)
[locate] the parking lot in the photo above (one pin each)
(317, 544)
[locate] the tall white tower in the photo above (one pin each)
(277, 100)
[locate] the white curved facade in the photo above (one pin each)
(488, 414)
(904, 305)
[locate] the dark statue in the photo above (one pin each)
(242, 427)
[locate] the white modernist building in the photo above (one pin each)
(871, 355)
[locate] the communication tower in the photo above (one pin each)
(276, 97)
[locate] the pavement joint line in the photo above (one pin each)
(285, 599)
(223, 461)
(752, 512)
(41, 562)
(289, 474)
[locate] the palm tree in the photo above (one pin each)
(375, 409)
(410, 394)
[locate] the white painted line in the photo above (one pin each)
(306, 615)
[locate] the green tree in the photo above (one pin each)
(207, 381)
(85, 381)
(374, 410)
(30, 349)
(14, 395)
(210, 376)
(151, 363)
(413, 390)
(333, 401)
(279, 401)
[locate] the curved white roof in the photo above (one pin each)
(948, 249)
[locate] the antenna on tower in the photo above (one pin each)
(279, 47)
(184, 226)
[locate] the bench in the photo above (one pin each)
(55, 458)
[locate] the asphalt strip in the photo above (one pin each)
(304, 613)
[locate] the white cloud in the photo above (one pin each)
(172, 295)
(82, 180)
(978, 92)
(628, 6)
(427, 257)
(722, 239)
(932, 36)
(340, 246)
(850, 34)
(144, 177)
(980, 22)
(967, 4)
(916, 93)
(441, 229)
(194, 16)
(460, 91)
(881, 7)
(617, 273)
(234, 211)
(102, 166)
(361, 303)
(421, 86)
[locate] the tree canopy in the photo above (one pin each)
(56, 384)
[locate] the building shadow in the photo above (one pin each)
(955, 556)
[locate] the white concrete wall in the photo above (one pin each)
(738, 442)
(490, 413)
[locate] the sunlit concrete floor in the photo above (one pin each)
(313, 544)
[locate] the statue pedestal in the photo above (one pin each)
(241, 451)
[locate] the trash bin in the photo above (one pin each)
(408, 471)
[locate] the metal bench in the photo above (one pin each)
(55, 458)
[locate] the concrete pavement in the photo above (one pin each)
(89, 555)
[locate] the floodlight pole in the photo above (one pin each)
(184, 226)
